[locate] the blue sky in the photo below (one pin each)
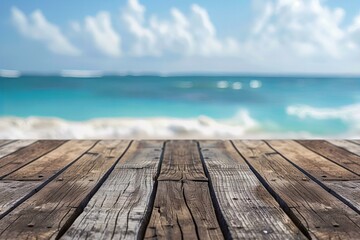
(257, 36)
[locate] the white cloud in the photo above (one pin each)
(301, 28)
(191, 35)
(37, 27)
(105, 38)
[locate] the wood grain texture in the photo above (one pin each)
(24, 156)
(248, 208)
(118, 209)
(348, 145)
(335, 154)
(183, 207)
(51, 210)
(331, 176)
(11, 192)
(38, 173)
(323, 215)
(14, 146)
(183, 210)
(49, 164)
(4, 142)
(181, 161)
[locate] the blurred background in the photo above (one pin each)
(180, 69)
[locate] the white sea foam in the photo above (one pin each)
(240, 126)
(255, 84)
(10, 73)
(81, 73)
(349, 114)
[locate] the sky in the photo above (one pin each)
(181, 36)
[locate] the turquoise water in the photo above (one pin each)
(266, 99)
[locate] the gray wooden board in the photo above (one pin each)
(348, 145)
(4, 142)
(183, 207)
(24, 156)
(336, 154)
(33, 176)
(322, 214)
(333, 177)
(14, 146)
(118, 208)
(50, 211)
(12, 192)
(249, 210)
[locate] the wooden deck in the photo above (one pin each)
(185, 189)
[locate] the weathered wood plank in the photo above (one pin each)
(348, 145)
(330, 175)
(248, 208)
(51, 210)
(183, 207)
(181, 161)
(49, 164)
(4, 142)
(118, 208)
(14, 146)
(38, 173)
(183, 210)
(324, 216)
(338, 155)
(23, 156)
(12, 191)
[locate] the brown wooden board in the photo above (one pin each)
(119, 207)
(38, 173)
(331, 176)
(183, 207)
(181, 161)
(14, 146)
(51, 211)
(323, 215)
(335, 154)
(348, 145)
(24, 156)
(49, 164)
(248, 208)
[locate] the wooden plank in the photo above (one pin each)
(323, 215)
(118, 208)
(248, 208)
(183, 210)
(24, 156)
(4, 142)
(348, 145)
(181, 161)
(12, 192)
(183, 207)
(38, 173)
(328, 174)
(50, 211)
(14, 146)
(49, 164)
(335, 154)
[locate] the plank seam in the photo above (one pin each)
(4, 176)
(345, 149)
(332, 192)
(277, 198)
(4, 144)
(88, 197)
(147, 216)
(327, 157)
(39, 187)
(218, 213)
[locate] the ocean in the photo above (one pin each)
(179, 107)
